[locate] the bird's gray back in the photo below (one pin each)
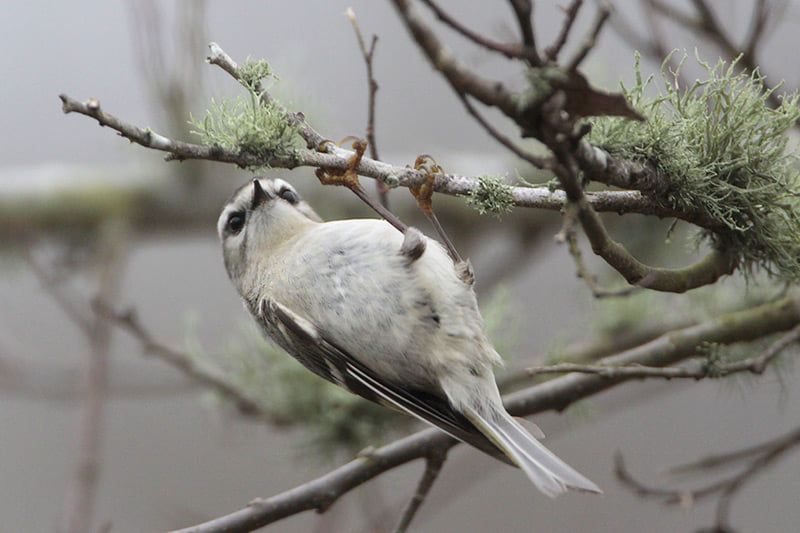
(404, 319)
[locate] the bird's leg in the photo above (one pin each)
(423, 193)
(349, 178)
(413, 245)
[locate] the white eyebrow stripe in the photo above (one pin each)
(279, 185)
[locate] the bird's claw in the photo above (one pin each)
(423, 192)
(349, 176)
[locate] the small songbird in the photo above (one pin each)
(386, 315)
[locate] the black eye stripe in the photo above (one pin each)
(289, 195)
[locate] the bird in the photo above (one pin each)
(387, 315)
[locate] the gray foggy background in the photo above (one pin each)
(170, 460)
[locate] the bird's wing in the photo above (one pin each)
(318, 352)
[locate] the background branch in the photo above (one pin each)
(760, 458)
(129, 321)
(79, 506)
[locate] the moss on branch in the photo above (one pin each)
(721, 151)
(250, 125)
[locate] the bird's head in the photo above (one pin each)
(258, 217)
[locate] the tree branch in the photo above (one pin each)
(433, 465)
(706, 271)
(538, 162)
(754, 365)
(523, 12)
(450, 184)
(556, 394)
(569, 236)
(604, 11)
(570, 14)
(372, 89)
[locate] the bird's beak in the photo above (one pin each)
(259, 195)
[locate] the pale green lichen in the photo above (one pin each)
(491, 196)
(721, 151)
(252, 73)
(247, 124)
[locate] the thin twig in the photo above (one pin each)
(433, 465)
(603, 12)
(570, 237)
(570, 14)
(537, 162)
(217, 56)
(510, 51)
(372, 90)
(463, 80)
(754, 365)
(523, 12)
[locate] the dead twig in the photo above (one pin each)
(569, 236)
(759, 458)
(754, 365)
(372, 90)
(433, 465)
(603, 12)
(570, 14)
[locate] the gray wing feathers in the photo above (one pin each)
(320, 354)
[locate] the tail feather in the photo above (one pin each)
(550, 474)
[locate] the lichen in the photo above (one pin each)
(252, 73)
(719, 150)
(247, 124)
(491, 196)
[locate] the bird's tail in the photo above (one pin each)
(550, 474)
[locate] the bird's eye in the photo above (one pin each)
(289, 195)
(235, 222)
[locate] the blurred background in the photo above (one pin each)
(84, 213)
